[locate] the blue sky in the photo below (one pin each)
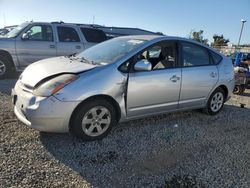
(175, 17)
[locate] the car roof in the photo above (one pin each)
(153, 37)
(158, 38)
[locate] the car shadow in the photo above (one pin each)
(8, 83)
(124, 151)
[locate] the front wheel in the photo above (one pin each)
(215, 102)
(93, 120)
(5, 67)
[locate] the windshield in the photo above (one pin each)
(110, 51)
(13, 33)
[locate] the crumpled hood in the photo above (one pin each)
(52, 66)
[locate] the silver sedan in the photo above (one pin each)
(119, 80)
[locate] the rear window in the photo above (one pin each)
(93, 35)
(216, 57)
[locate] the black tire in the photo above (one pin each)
(209, 109)
(5, 67)
(239, 89)
(78, 116)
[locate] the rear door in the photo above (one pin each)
(69, 41)
(199, 75)
(39, 44)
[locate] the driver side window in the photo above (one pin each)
(161, 56)
(40, 33)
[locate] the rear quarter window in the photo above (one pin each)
(93, 35)
(215, 57)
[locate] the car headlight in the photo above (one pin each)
(53, 85)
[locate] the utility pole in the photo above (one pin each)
(242, 26)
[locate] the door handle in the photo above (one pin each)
(52, 46)
(78, 47)
(174, 78)
(213, 74)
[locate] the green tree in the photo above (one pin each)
(198, 36)
(219, 41)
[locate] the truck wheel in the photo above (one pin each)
(5, 67)
(93, 120)
(239, 89)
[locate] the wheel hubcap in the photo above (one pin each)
(217, 102)
(96, 121)
(2, 68)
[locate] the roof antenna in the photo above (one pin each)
(93, 19)
(4, 20)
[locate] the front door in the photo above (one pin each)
(156, 90)
(38, 44)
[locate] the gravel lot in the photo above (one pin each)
(188, 148)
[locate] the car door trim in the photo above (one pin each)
(153, 106)
(192, 100)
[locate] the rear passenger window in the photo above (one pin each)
(93, 35)
(194, 55)
(67, 34)
(216, 57)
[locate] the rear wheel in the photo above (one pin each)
(239, 89)
(215, 102)
(93, 120)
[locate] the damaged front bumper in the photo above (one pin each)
(46, 114)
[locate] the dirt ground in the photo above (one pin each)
(187, 148)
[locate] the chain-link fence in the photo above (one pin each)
(229, 50)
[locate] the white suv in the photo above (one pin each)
(33, 41)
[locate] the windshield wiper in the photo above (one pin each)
(84, 60)
(71, 55)
(81, 59)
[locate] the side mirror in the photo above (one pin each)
(25, 36)
(143, 65)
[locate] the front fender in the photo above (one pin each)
(99, 81)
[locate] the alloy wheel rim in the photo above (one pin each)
(217, 102)
(2, 68)
(96, 121)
